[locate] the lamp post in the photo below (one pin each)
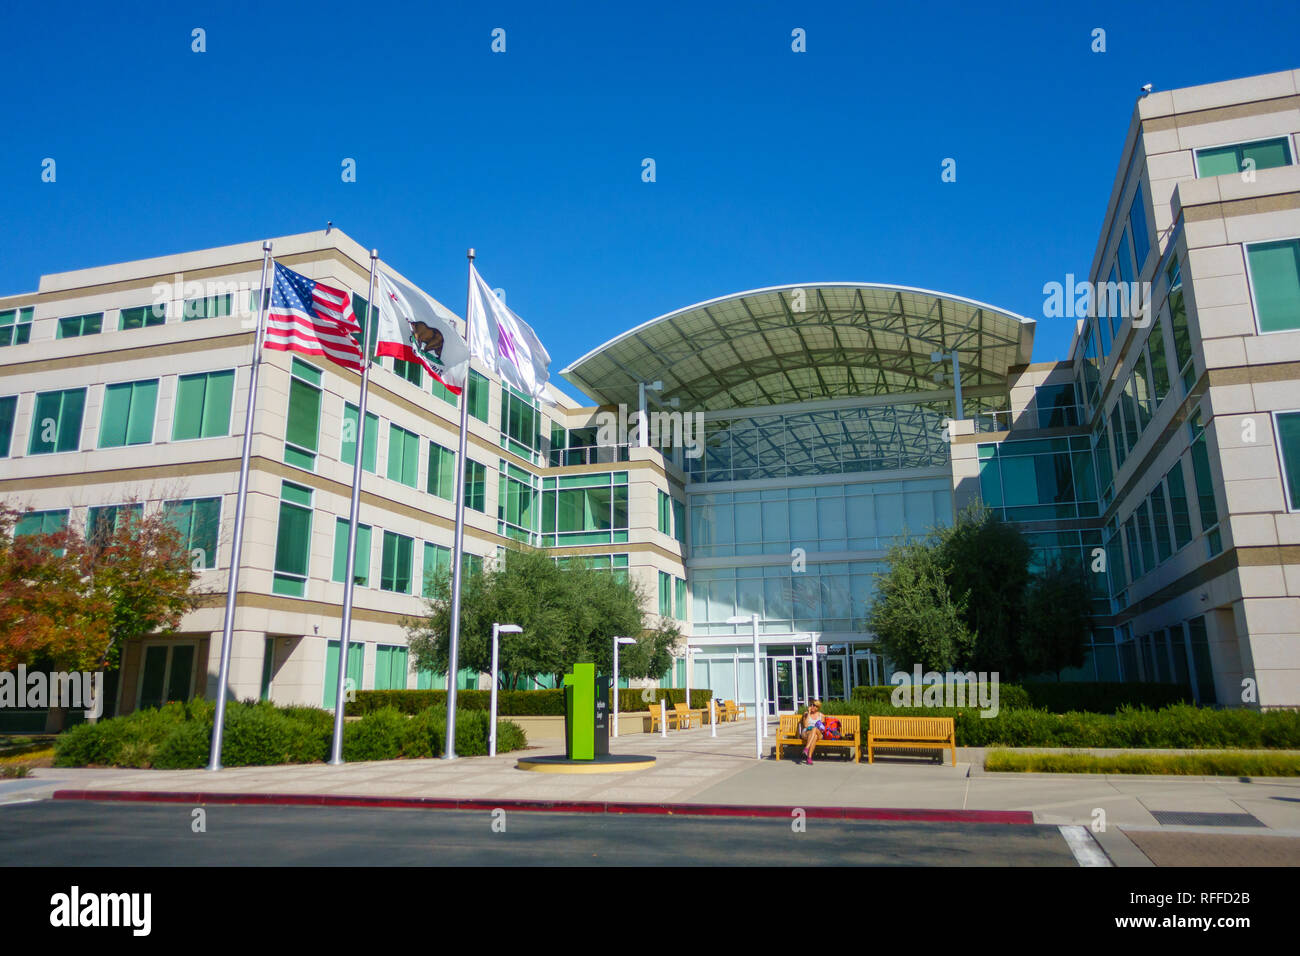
(497, 631)
(617, 642)
(956, 378)
(760, 705)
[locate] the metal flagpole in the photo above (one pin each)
(349, 578)
(458, 539)
(232, 586)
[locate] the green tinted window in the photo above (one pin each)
(1275, 278)
(395, 574)
(77, 325)
(211, 307)
(479, 393)
(41, 522)
(348, 451)
(293, 541)
(681, 599)
(1243, 157)
(1204, 483)
(16, 326)
(199, 521)
(437, 560)
(128, 415)
(361, 568)
(1288, 446)
(56, 424)
(143, 316)
(442, 472)
(8, 411)
(1182, 519)
(203, 405)
(665, 594)
(475, 485)
(411, 371)
(302, 426)
(403, 455)
(1137, 223)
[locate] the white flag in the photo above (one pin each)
(505, 342)
(414, 328)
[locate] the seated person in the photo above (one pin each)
(811, 729)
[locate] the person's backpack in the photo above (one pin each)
(832, 731)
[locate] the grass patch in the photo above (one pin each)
(1194, 765)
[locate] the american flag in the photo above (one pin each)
(312, 318)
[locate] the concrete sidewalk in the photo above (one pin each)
(694, 768)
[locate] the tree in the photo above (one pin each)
(1057, 613)
(568, 615)
(915, 616)
(987, 567)
(70, 598)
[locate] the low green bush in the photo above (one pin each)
(1103, 698)
(1178, 727)
(1010, 696)
(179, 736)
(1205, 765)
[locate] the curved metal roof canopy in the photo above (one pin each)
(801, 343)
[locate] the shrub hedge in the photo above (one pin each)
(510, 703)
(1061, 698)
(179, 736)
(1209, 764)
(1178, 727)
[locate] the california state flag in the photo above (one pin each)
(415, 328)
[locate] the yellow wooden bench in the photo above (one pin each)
(787, 735)
(674, 717)
(683, 713)
(912, 733)
(732, 711)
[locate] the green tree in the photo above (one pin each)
(568, 615)
(914, 616)
(986, 563)
(1057, 615)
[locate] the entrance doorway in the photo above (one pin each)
(782, 686)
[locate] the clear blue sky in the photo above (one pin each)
(772, 166)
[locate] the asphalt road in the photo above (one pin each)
(47, 833)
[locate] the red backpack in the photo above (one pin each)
(832, 731)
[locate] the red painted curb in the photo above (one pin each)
(547, 806)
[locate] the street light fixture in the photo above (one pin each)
(497, 631)
(617, 642)
(760, 705)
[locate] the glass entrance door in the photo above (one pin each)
(835, 678)
(782, 691)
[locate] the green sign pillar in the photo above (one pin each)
(580, 712)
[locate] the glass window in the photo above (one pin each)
(1201, 661)
(403, 455)
(361, 569)
(475, 485)
(1056, 406)
(679, 520)
(198, 520)
(1178, 321)
(681, 599)
(1275, 279)
(1159, 362)
(16, 326)
(437, 560)
(665, 514)
(520, 421)
(1262, 154)
(1182, 519)
(442, 472)
(410, 371)
(1205, 488)
(211, 307)
(41, 522)
(516, 503)
(143, 317)
(78, 325)
(348, 449)
(102, 521)
(1118, 431)
(479, 394)
(1288, 447)
(203, 405)
(1137, 223)
(1160, 520)
(391, 665)
(56, 424)
(293, 540)
(302, 425)
(8, 413)
(665, 594)
(128, 415)
(395, 574)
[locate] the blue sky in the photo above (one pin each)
(772, 166)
